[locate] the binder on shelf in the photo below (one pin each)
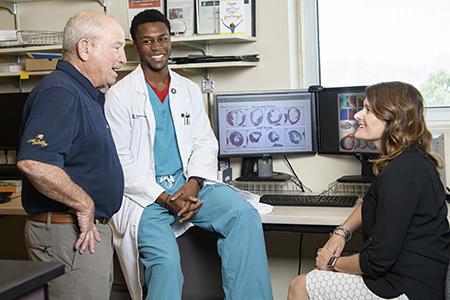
(250, 17)
(207, 16)
(232, 17)
(181, 16)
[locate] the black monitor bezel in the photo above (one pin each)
(269, 92)
(8, 97)
(320, 124)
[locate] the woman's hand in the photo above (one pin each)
(335, 244)
(322, 259)
(333, 247)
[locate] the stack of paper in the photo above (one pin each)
(181, 16)
(208, 16)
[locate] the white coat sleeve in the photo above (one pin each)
(203, 157)
(140, 185)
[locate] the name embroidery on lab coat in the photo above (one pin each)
(137, 116)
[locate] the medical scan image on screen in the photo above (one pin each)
(265, 126)
(348, 105)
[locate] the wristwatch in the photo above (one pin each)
(331, 262)
(199, 180)
(161, 202)
(343, 232)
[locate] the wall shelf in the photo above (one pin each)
(30, 73)
(209, 39)
(11, 5)
(22, 50)
(214, 38)
(131, 67)
(214, 65)
(176, 40)
(195, 41)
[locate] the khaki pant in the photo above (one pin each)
(87, 276)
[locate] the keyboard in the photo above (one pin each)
(309, 200)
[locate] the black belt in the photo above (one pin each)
(102, 220)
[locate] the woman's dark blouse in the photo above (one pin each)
(405, 230)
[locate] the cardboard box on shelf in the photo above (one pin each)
(41, 64)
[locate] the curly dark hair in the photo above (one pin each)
(401, 106)
(148, 15)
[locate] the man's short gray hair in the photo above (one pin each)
(83, 25)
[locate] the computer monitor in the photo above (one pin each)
(336, 125)
(258, 125)
(11, 105)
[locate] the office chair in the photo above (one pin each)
(448, 283)
(201, 265)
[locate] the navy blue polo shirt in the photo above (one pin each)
(65, 125)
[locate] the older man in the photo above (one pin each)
(73, 179)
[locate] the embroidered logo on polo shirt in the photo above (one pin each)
(38, 140)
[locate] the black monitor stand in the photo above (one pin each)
(263, 172)
(366, 176)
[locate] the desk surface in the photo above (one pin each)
(289, 215)
(21, 277)
(282, 215)
(12, 207)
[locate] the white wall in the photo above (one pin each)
(278, 69)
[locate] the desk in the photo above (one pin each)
(306, 219)
(12, 207)
(310, 217)
(26, 279)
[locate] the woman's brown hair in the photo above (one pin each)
(401, 106)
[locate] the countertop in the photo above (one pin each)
(20, 277)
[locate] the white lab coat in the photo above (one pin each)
(132, 123)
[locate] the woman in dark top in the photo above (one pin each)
(403, 216)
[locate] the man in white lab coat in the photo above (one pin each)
(169, 155)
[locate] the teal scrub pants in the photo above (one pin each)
(241, 246)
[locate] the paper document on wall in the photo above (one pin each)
(232, 19)
(181, 16)
(136, 6)
(208, 16)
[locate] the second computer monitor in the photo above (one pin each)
(11, 119)
(265, 123)
(336, 125)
